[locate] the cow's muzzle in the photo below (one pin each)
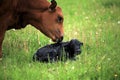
(58, 40)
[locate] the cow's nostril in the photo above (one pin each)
(60, 40)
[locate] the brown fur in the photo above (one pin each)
(19, 13)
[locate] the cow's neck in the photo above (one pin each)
(16, 10)
(23, 6)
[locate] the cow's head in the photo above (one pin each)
(52, 22)
(48, 20)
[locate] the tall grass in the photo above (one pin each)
(94, 22)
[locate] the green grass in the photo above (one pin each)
(94, 22)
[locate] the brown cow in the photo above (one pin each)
(46, 17)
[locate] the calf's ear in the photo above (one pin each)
(52, 6)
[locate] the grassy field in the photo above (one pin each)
(94, 22)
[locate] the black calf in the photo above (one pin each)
(58, 51)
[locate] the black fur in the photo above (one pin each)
(58, 51)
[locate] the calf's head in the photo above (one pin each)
(47, 18)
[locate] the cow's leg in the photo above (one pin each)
(2, 33)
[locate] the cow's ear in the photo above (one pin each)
(53, 6)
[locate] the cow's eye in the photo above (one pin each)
(59, 19)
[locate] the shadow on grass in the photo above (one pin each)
(111, 3)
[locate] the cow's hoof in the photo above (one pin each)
(0, 59)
